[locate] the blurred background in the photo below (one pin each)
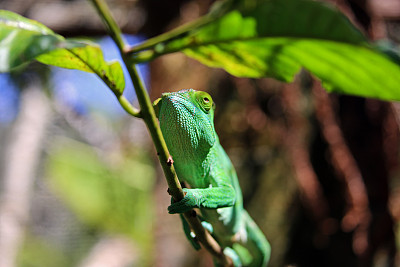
(80, 184)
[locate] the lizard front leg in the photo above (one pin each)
(211, 198)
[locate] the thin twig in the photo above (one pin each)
(131, 110)
(148, 115)
(112, 26)
(150, 43)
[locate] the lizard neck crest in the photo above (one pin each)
(186, 120)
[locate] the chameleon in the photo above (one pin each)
(187, 123)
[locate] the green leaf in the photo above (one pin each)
(276, 38)
(87, 56)
(22, 40)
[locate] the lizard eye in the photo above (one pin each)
(204, 100)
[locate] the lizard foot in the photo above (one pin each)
(233, 255)
(185, 204)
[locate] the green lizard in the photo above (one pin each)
(187, 123)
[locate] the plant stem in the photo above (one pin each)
(149, 116)
(128, 107)
(147, 113)
(112, 26)
(217, 10)
(170, 35)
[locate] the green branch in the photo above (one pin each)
(112, 27)
(128, 107)
(177, 32)
(217, 10)
(147, 113)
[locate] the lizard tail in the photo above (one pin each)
(256, 243)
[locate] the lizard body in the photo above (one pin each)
(187, 123)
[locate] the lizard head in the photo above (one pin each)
(187, 121)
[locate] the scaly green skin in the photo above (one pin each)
(187, 123)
